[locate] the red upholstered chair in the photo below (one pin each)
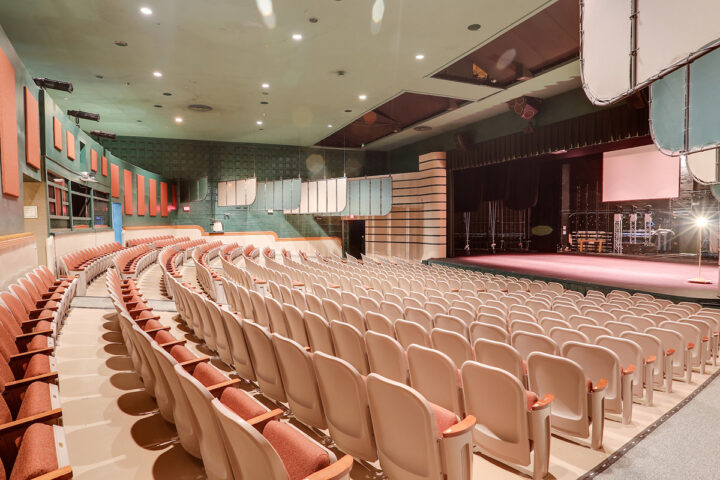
(13, 340)
(41, 453)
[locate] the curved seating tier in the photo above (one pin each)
(150, 241)
(88, 263)
(131, 261)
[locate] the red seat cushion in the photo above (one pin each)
(36, 400)
(241, 403)
(5, 415)
(36, 455)
(152, 325)
(208, 375)
(42, 325)
(145, 314)
(300, 455)
(48, 304)
(45, 314)
(182, 354)
(39, 364)
(37, 343)
(444, 418)
(530, 398)
(163, 336)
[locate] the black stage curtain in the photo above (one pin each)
(516, 183)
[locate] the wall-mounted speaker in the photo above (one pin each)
(463, 141)
(525, 107)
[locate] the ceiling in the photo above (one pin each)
(219, 52)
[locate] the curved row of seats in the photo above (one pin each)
(150, 241)
(31, 314)
(169, 241)
(88, 263)
(231, 251)
(131, 261)
(234, 434)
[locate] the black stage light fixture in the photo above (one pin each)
(53, 84)
(100, 133)
(95, 117)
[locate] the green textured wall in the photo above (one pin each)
(186, 159)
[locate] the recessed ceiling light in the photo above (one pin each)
(259, 122)
(419, 56)
(167, 94)
(99, 76)
(329, 126)
(474, 27)
(158, 106)
(362, 97)
(265, 85)
(297, 37)
(348, 111)
(178, 120)
(264, 103)
(157, 74)
(121, 43)
(146, 11)
(313, 20)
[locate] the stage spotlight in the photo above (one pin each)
(53, 84)
(95, 117)
(701, 222)
(100, 133)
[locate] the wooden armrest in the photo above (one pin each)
(188, 365)
(37, 311)
(138, 310)
(459, 428)
(31, 335)
(144, 320)
(173, 343)
(33, 321)
(64, 473)
(600, 386)
(334, 471)
(670, 351)
(260, 421)
(24, 355)
(626, 371)
(690, 345)
(544, 402)
(24, 382)
(216, 390)
(153, 330)
(23, 423)
(650, 359)
(705, 339)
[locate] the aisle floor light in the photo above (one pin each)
(701, 223)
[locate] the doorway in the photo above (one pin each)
(356, 237)
(117, 221)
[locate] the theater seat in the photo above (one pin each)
(408, 440)
(42, 451)
(435, 376)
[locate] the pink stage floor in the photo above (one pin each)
(667, 278)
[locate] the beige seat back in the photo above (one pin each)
(640, 323)
(434, 308)
(264, 360)
(565, 379)
(391, 310)
(300, 381)
(333, 311)
(386, 356)
(563, 335)
(435, 376)
(547, 313)
(259, 309)
(592, 332)
(354, 317)
(453, 345)
(345, 400)
(238, 345)
(350, 345)
(533, 327)
(451, 323)
(299, 299)
(368, 305)
(421, 317)
(521, 315)
(651, 347)
(409, 333)
(406, 432)
(212, 446)
(295, 321)
(490, 332)
(377, 322)
(629, 353)
(314, 304)
(465, 315)
(276, 316)
(499, 355)
(576, 320)
(222, 343)
(186, 422)
(598, 363)
(498, 401)
(318, 332)
(526, 343)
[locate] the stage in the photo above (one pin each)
(665, 279)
